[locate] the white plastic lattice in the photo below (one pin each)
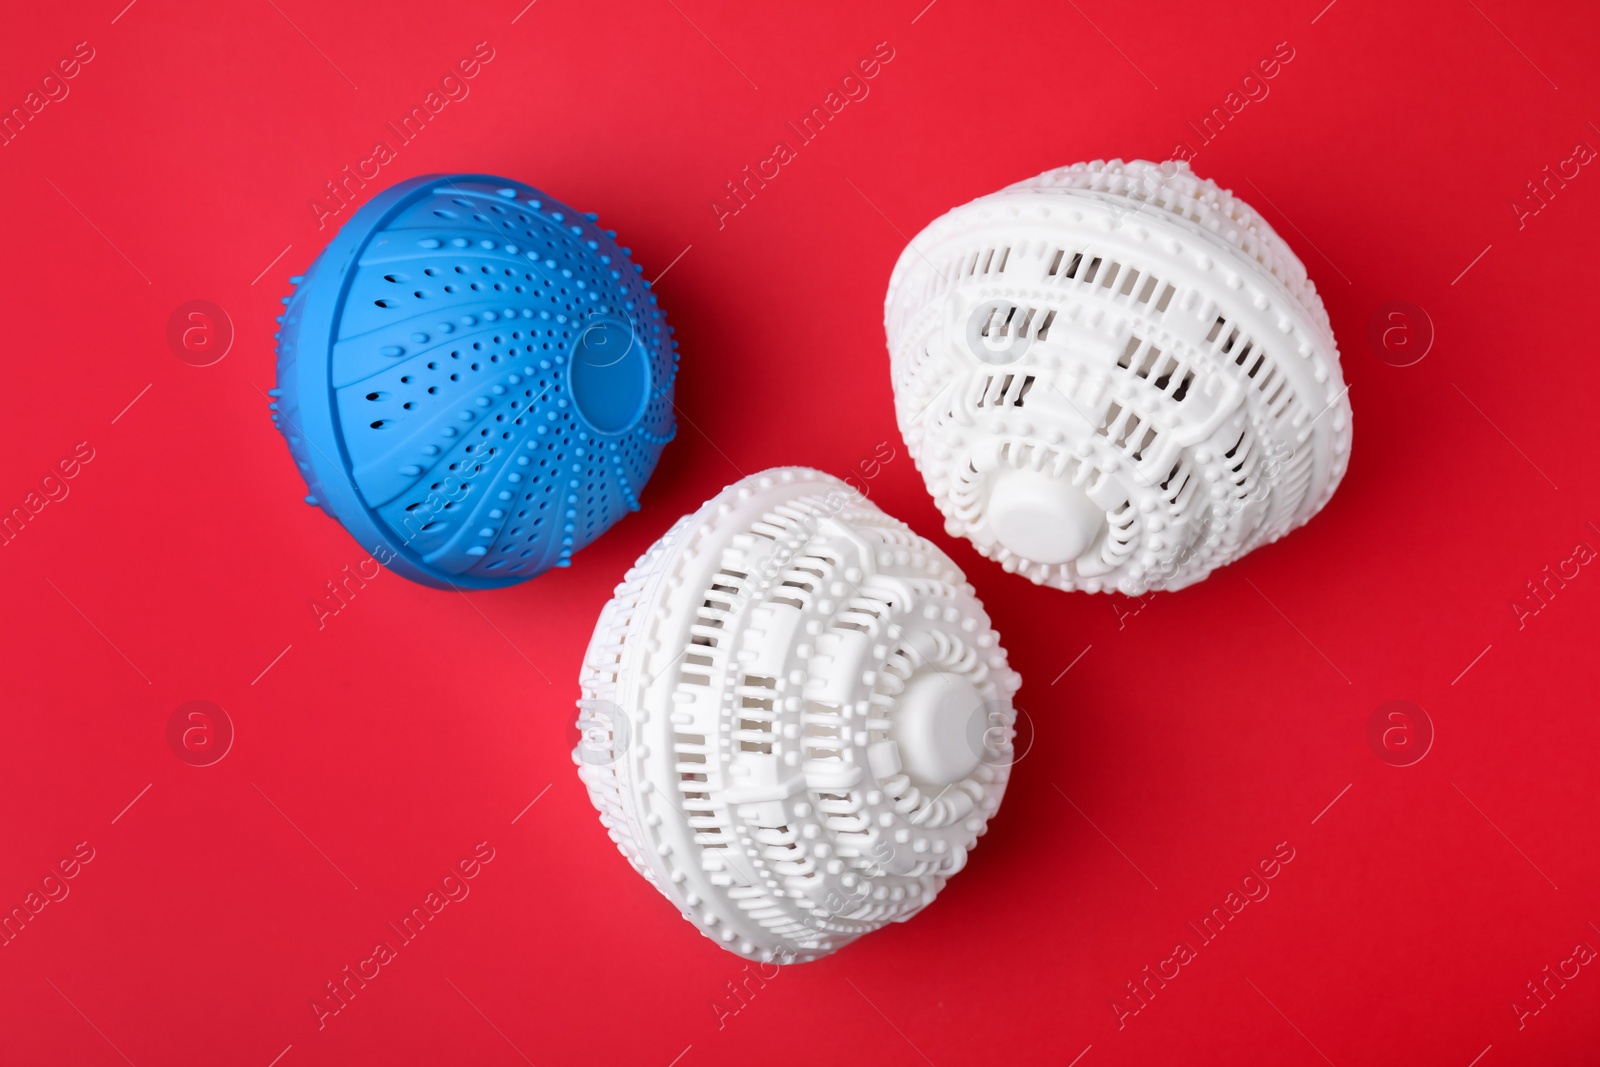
(1115, 376)
(796, 720)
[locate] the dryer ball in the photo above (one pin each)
(796, 719)
(474, 380)
(1115, 376)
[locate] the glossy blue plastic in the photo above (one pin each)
(474, 380)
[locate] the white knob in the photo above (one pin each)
(940, 728)
(1045, 519)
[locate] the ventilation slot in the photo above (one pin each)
(799, 582)
(987, 261)
(823, 736)
(780, 849)
(757, 698)
(1121, 532)
(1258, 365)
(689, 751)
(1242, 463)
(1138, 287)
(707, 630)
(863, 614)
(1062, 266)
(1179, 474)
(1154, 289)
(1005, 390)
(1014, 321)
(1127, 431)
(1165, 372)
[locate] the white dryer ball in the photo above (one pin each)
(1115, 376)
(796, 719)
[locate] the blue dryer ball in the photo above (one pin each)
(474, 380)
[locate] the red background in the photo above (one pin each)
(1191, 736)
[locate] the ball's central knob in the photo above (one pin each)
(1041, 518)
(938, 727)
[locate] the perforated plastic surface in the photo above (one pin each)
(1115, 376)
(796, 719)
(474, 377)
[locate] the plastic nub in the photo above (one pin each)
(1043, 518)
(939, 719)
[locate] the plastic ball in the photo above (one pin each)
(796, 719)
(474, 380)
(1115, 376)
